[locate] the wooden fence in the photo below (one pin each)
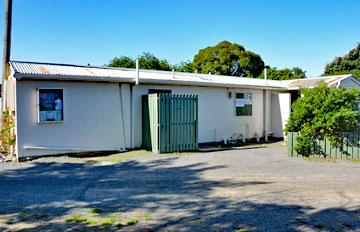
(351, 146)
(170, 122)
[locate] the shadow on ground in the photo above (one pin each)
(177, 196)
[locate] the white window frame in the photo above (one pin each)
(38, 105)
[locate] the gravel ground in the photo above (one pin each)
(244, 189)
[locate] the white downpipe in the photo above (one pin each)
(137, 72)
(122, 114)
(265, 75)
(265, 115)
(137, 77)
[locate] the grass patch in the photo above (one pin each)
(319, 159)
(147, 216)
(243, 230)
(91, 221)
(116, 214)
(131, 222)
(107, 222)
(119, 157)
(76, 218)
(10, 220)
(95, 211)
(24, 216)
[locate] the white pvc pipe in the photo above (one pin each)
(137, 72)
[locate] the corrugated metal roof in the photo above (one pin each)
(62, 71)
(310, 82)
(34, 70)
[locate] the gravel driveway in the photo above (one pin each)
(248, 189)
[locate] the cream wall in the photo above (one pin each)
(217, 120)
(281, 104)
(92, 118)
(97, 116)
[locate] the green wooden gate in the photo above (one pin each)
(170, 122)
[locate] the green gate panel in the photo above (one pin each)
(351, 146)
(170, 122)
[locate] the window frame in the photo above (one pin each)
(235, 107)
(38, 105)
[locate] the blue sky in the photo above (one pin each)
(285, 33)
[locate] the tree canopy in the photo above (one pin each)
(122, 62)
(284, 74)
(349, 63)
(227, 58)
(146, 61)
(323, 111)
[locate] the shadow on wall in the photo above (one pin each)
(57, 189)
(276, 116)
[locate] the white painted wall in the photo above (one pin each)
(92, 118)
(216, 112)
(281, 103)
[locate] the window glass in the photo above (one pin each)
(51, 105)
(243, 104)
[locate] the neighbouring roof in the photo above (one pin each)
(310, 82)
(49, 71)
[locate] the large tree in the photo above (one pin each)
(284, 74)
(146, 61)
(349, 63)
(227, 58)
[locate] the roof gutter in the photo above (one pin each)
(20, 76)
(202, 84)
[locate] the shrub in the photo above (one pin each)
(323, 112)
(7, 134)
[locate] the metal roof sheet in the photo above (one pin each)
(34, 70)
(310, 82)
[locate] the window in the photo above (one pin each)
(51, 105)
(243, 104)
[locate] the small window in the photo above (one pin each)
(51, 105)
(243, 104)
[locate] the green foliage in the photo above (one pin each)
(323, 112)
(7, 132)
(184, 66)
(349, 63)
(122, 62)
(146, 61)
(76, 218)
(284, 74)
(107, 222)
(227, 58)
(149, 61)
(95, 211)
(131, 222)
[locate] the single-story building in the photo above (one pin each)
(61, 108)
